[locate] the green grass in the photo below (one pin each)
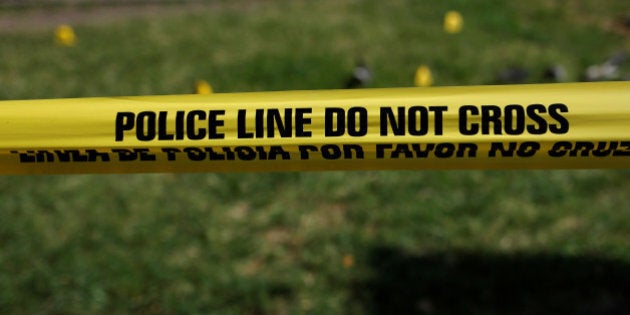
(313, 243)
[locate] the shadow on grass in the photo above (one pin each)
(474, 283)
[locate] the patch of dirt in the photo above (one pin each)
(37, 18)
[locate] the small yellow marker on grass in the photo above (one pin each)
(423, 76)
(64, 35)
(203, 87)
(453, 22)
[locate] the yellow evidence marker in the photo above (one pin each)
(64, 35)
(453, 22)
(423, 77)
(203, 87)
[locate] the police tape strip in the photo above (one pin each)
(572, 125)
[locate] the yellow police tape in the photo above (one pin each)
(573, 125)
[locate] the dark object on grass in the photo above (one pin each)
(555, 73)
(361, 76)
(606, 71)
(478, 282)
(512, 75)
(622, 24)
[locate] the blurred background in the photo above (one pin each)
(404, 242)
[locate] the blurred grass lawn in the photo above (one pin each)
(291, 243)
